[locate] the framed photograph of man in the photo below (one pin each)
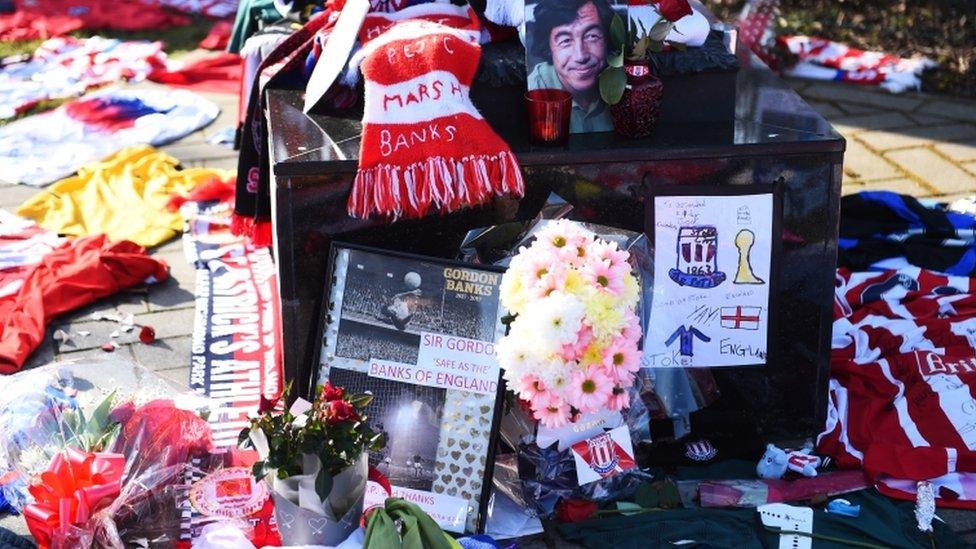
(567, 43)
(418, 333)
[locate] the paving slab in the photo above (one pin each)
(956, 110)
(180, 376)
(165, 323)
(959, 152)
(193, 152)
(122, 352)
(227, 163)
(950, 198)
(944, 176)
(860, 163)
(827, 110)
(903, 186)
(170, 295)
(13, 195)
(171, 246)
(43, 354)
(851, 188)
(179, 269)
(883, 140)
(128, 301)
(850, 93)
(851, 125)
(165, 354)
(927, 120)
(854, 108)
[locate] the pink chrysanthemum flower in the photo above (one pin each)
(553, 412)
(589, 390)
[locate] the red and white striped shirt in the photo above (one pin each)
(903, 382)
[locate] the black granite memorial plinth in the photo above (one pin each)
(773, 138)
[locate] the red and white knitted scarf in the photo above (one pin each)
(424, 145)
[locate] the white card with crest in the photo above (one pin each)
(604, 455)
(583, 428)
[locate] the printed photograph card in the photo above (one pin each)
(712, 272)
(419, 334)
(567, 45)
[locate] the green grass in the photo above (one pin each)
(943, 30)
(177, 40)
(18, 48)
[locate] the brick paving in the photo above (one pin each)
(913, 143)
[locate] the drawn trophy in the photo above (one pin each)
(697, 264)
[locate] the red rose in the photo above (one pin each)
(122, 412)
(330, 393)
(339, 411)
(147, 335)
(575, 510)
(672, 10)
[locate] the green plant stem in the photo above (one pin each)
(834, 539)
(640, 511)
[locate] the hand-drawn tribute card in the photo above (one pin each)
(712, 272)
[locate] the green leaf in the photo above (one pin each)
(323, 483)
(613, 82)
(618, 31)
(99, 418)
(259, 469)
(628, 508)
(640, 49)
(668, 493)
(660, 30)
(616, 60)
(361, 401)
(647, 496)
(244, 437)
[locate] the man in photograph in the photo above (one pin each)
(569, 39)
(402, 306)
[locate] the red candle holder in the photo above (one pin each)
(549, 111)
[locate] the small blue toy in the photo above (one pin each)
(843, 508)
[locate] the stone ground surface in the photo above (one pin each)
(912, 143)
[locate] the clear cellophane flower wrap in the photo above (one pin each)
(92, 450)
(667, 393)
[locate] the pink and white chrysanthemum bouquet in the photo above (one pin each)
(573, 344)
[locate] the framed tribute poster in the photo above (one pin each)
(419, 333)
(715, 253)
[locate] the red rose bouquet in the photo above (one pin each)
(314, 456)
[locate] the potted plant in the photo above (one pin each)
(627, 84)
(315, 458)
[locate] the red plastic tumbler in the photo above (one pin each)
(549, 111)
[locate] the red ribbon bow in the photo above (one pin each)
(74, 486)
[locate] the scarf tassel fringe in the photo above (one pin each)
(441, 183)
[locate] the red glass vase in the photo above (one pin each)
(636, 113)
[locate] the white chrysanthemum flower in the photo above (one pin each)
(557, 317)
(513, 295)
(515, 357)
(548, 369)
(560, 379)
